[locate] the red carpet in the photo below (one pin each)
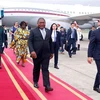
(7, 88)
(23, 75)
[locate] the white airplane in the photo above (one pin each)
(86, 16)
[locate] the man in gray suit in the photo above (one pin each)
(1, 42)
(40, 46)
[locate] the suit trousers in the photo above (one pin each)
(62, 45)
(56, 48)
(41, 63)
(97, 79)
(72, 46)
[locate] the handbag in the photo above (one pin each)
(66, 47)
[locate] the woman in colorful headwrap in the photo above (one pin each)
(21, 39)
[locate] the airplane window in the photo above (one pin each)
(36, 10)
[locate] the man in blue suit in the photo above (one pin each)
(94, 52)
(71, 39)
(90, 32)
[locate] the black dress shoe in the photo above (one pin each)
(36, 85)
(96, 89)
(70, 56)
(74, 53)
(47, 89)
(56, 67)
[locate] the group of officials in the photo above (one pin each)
(44, 44)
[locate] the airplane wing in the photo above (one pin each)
(83, 20)
(88, 17)
(80, 19)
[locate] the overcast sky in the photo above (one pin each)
(70, 2)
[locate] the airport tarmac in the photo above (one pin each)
(76, 71)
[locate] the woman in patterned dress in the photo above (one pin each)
(21, 40)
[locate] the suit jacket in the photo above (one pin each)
(58, 39)
(94, 45)
(89, 35)
(1, 37)
(68, 35)
(5, 31)
(5, 38)
(29, 27)
(43, 48)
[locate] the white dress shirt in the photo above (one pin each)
(43, 32)
(54, 35)
(72, 34)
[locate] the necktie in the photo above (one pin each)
(43, 34)
(54, 36)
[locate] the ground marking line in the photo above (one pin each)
(65, 86)
(21, 92)
(26, 80)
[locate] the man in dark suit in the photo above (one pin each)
(5, 38)
(71, 39)
(90, 32)
(63, 38)
(40, 46)
(94, 52)
(1, 42)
